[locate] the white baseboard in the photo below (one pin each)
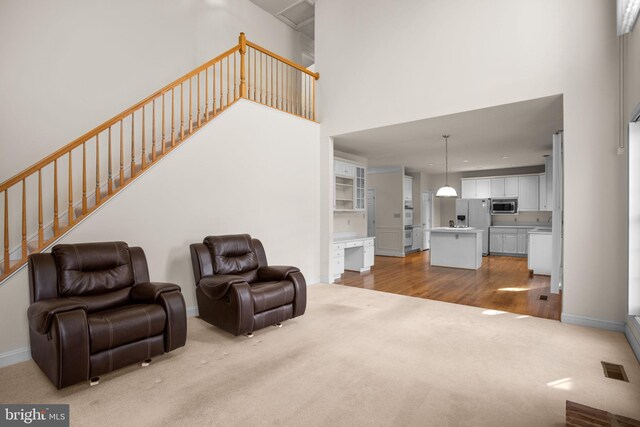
(593, 323)
(15, 356)
(12, 357)
(632, 338)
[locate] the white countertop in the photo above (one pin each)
(544, 225)
(541, 230)
(455, 230)
(342, 239)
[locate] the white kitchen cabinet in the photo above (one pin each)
(511, 186)
(469, 189)
(508, 240)
(542, 192)
(510, 243)
(407, 189)
(522, 241)
(343, 168)
(528, 193)
(497, 187)
(483, 188)
(495, 242)
(349, 186)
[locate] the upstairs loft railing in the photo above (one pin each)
(46, 200)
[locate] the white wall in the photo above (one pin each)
(414, 59)
(261, 179)
(69, 65)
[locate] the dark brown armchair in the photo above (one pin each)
(94, 310)
(237, 291)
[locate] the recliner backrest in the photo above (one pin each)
(92, 268)
(233, 254)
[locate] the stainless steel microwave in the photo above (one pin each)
(504, 206)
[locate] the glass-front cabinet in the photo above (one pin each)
(359, 188)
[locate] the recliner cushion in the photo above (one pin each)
(92, 268)
(268, 295)
(112, 328)
(232, 254)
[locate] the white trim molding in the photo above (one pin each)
(593, 323)
(632, 332)
(12, 357)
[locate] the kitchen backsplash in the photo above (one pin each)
(522, 218)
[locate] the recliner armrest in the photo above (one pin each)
(41, 312)
(148, 292)
(216, 287)
(275, 272)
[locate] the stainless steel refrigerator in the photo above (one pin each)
(475, 213)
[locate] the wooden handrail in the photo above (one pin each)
(77, 142)
(277, 82)
(282, 59)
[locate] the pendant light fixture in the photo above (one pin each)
(447, 190)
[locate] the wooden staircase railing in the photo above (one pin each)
(46, 200)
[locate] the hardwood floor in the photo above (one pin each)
(502, 283)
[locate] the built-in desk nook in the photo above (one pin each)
(353, 254)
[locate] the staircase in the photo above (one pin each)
(46, 200)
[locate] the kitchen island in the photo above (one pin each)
(456, 247)
(540, 251)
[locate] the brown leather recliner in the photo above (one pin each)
(237, 291)
(94, 310)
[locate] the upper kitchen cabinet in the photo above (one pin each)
(528, 193)
(469, 189)
(407, 190)
(349, 186)
(483, 188)
(497, 187)
(532, 191)
(511, 186)
(343, 168)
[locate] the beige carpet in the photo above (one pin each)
(359, 358)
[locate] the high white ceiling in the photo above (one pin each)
(505, 136)
(298, 14)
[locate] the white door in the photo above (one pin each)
(426, 219)
(371, 212)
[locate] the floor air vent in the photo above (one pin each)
(611, 370)
(543, 297)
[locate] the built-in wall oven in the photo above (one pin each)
(408, 236)
(504, 206)
(408, 216)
